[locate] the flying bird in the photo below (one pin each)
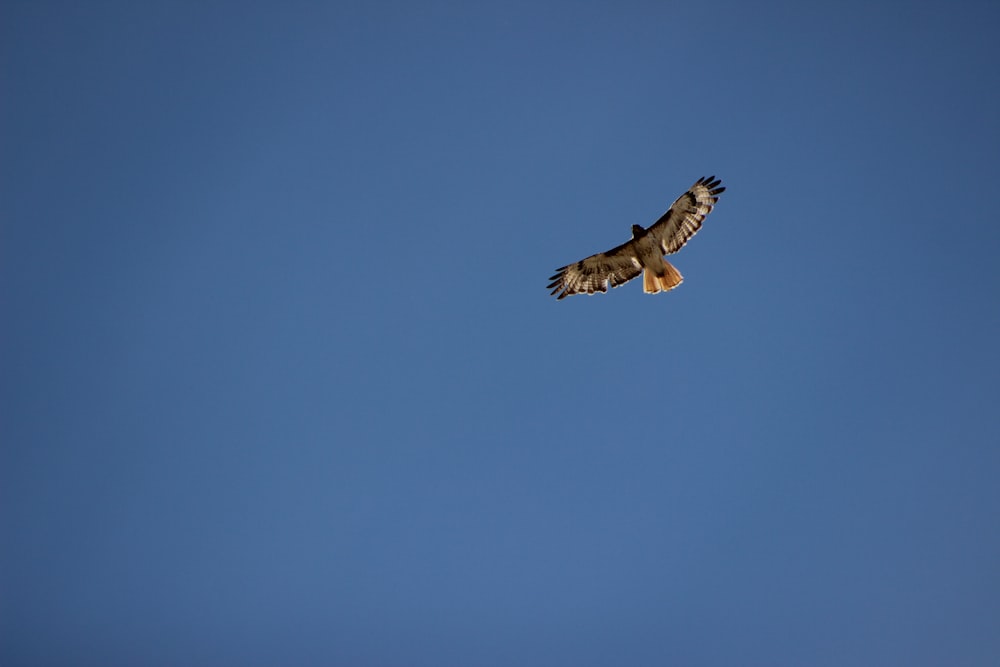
(644, 253)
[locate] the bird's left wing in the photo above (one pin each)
(593, 274)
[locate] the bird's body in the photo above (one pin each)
(644, 252)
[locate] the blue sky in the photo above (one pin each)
(281, 382)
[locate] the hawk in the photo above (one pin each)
(644, 253)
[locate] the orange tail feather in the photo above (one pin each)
(652, 283)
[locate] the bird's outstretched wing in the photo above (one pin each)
(593, 274)
(684, 217)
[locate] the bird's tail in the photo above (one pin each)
(652, 283)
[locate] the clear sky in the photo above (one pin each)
(281, 383)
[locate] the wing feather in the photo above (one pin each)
(684, 217)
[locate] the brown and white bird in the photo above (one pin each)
(644, 253)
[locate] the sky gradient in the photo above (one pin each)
(281, 383)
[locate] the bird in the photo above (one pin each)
(644, 252)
